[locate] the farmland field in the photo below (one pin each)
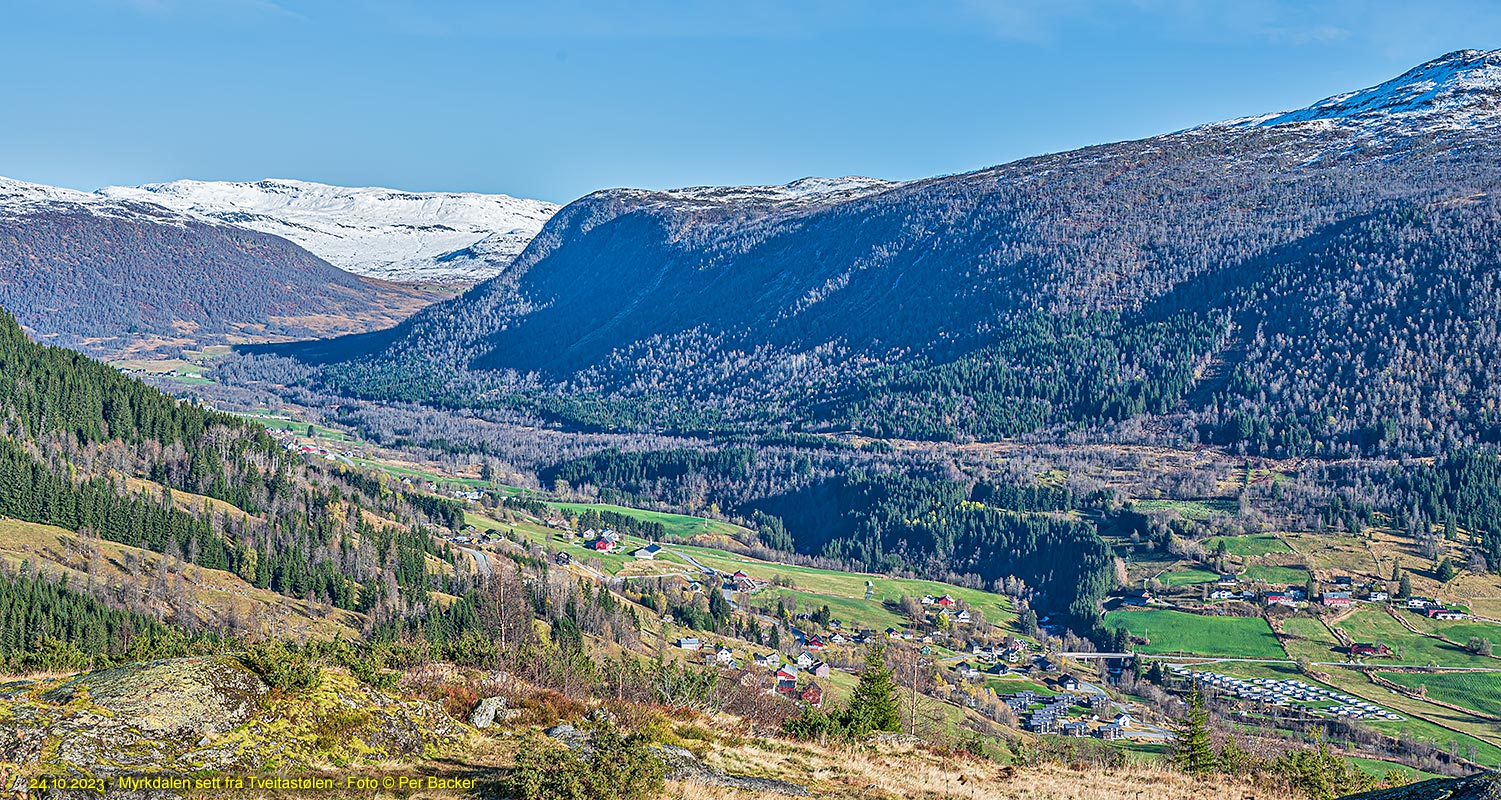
(1308, 638)
(1179, 632)
(1188, 509)
(1461, 631)
(677, 525)
(1257, 545)
(1271, 573)
(1480, 691)
(1187, 577)
(1374, 625)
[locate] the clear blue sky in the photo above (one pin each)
(555, 98)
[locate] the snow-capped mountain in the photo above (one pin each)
(108, 273)
(20, 198)
(1454, 92)
(412, 237)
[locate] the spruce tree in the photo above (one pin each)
(1192, 752)
(873, 704)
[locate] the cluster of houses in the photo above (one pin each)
(789, 674)
(290, 443)
(945, 607)
(1343, 592)
(1287, 693)
(1050, 714)
(1433, 609)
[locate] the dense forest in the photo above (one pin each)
(894, 522)
(76, 432)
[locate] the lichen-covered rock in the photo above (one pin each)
(186, 698)
(485, 710)
(1485, 786)
(211, 714)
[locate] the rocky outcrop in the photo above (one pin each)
(208, 713)
(491, 710)
(682, 765)
(1485, 786)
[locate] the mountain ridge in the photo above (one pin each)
(107, 273)
(414, 237)
(635, 308)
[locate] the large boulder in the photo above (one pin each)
(486, 710)
(210, 713)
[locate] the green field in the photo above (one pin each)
(1479, 691)
(1379, 768)
(1179, 632)
(1270, 573)
(1258, 545)
(677, 525)
(1308, 638)
(1424, 721)
(1374, 625)
(1188, 577)
(810, 580)
(1460, 631)
(1187, 509)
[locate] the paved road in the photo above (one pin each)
(482, 559)
(694, 562)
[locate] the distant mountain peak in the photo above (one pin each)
(422, 237)
(1454, 91)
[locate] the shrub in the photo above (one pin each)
(620, 768)
(283, 666)
(458, 701)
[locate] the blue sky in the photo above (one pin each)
(555, 98)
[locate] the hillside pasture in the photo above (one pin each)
(1253, 545)
(1478, 691)
(1180, 632)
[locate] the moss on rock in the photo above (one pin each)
(212, 714)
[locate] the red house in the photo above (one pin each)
(813, 695)
(815, 643)
(945, 602)
(1377, 649)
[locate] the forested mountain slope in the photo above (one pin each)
(84, 270)
(1180, 276)
(73, 432)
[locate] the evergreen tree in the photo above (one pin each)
(1446, 570)
(873, 703)
(1192, 752)
(1404, 589)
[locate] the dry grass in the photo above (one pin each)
(913, 772)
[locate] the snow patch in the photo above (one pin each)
(428, 237)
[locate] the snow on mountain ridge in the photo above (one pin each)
(383, 233)
(18, 198)
(801, 192)
(1455, 91)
